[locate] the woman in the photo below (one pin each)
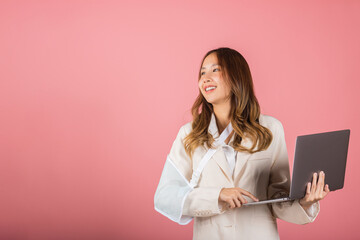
(250, 165)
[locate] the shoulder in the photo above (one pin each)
(271, 123)
(185, 129)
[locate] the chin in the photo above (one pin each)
(211, 102)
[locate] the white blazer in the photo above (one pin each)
(264, 174)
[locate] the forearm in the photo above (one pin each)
(293, 212)
(203, 202)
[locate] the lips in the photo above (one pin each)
(209, 86)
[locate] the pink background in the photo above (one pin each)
(93, 93)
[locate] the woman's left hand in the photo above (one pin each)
(315, 191)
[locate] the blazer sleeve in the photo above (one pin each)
(201, 201)
(279, 185)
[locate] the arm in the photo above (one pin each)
(279, 185)
(201, 201)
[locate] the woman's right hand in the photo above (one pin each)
(233, 196)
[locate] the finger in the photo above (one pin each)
(327, 190)
(246, 193)
(308, 188)
(313, 185)
(320, 185)
(242, 199)
(237, 202)
(231, 203)
(307, 195)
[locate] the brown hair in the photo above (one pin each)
(245, 109)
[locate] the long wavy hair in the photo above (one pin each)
(244, 112)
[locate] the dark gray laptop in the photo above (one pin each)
(315, 152)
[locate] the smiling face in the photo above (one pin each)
(212, 76)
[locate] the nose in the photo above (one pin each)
(206, 80)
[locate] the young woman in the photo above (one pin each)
(251, 164)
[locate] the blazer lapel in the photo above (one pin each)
(242, 158)
(220, 159)
(219, 155)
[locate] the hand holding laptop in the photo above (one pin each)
(314, 152)
(315, 191)
(325, 151)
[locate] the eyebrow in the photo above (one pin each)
(211, 66)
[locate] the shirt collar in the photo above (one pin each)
(213, 129)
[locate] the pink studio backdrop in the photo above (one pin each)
(93, 93)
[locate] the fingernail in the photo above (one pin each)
(322, 172)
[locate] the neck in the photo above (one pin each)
(222, 114)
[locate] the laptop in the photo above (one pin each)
(314, 153)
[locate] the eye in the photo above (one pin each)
(217, 69)
(202, 73)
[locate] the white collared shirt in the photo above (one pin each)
(229, 151)
(230, 154)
